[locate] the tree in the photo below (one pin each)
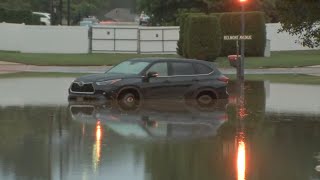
(79, 8)
(266, 6)
(164, 12)
(301, 18)
(15, 4)
(40, 5)
(167, 12)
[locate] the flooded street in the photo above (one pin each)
(271, 131)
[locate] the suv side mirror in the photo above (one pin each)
(152, 74)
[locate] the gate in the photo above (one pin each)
(133, 39)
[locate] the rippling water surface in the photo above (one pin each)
(270, 131)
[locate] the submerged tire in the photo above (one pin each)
(129, 100)
(206, 99)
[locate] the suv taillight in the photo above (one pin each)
(223, 78)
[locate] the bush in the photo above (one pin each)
(183, 23)
(202, 37)
(230, 24)
(16, 16)
(255, 25)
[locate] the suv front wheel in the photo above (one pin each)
(129, 99)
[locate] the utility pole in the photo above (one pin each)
(68, 12)
(51, 12)
(60, 11)
(242, 40)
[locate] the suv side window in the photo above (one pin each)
(161, 68)
(182, 68)
(202, 69)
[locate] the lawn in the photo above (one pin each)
(278, 59)
(70, 59)
(283, 78)
(283, 59)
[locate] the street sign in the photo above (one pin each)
(237, 37)
(239, 64)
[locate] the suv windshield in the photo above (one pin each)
(129, 67)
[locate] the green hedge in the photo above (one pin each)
(202, 37)
(182, 22)
(254, 25)
(18, 16)
(230, 24)
(181, 34)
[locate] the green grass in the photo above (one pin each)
(70, 59)
(40, 74)
(286, 59)
(283, 78)
(276, 78)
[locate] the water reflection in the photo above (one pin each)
(237, 139)
(155, 119)
(241, 160)
(97, 146)
(241, 112)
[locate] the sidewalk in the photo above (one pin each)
(14, 67)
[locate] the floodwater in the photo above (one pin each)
(268, 131)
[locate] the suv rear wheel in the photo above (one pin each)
(206, 98)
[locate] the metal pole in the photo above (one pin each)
(60, 12)
(238, 62)
(242, 42)
(51, 12)
(90, 34)
(68, 12)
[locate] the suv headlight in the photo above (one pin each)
(103, 83)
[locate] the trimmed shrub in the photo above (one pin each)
(183, 23)
(183, 18)
(230, 24)
(202, 37)
(254, 25)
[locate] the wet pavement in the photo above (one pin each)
(268, 131)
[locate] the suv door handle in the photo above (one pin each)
(195, 80)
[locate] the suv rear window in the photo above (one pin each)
(202, 69)
(182, 68)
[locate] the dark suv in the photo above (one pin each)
(153, 78)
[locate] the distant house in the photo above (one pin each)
(121, 15)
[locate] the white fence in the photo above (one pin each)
(282, 41)
(10, 36)
(133, 39)
(115, 39)
(43, 39)
(112, 39)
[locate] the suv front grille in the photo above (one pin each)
(85, 88)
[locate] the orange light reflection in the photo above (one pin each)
(97, 146)
(98, 140)
(241, 160)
